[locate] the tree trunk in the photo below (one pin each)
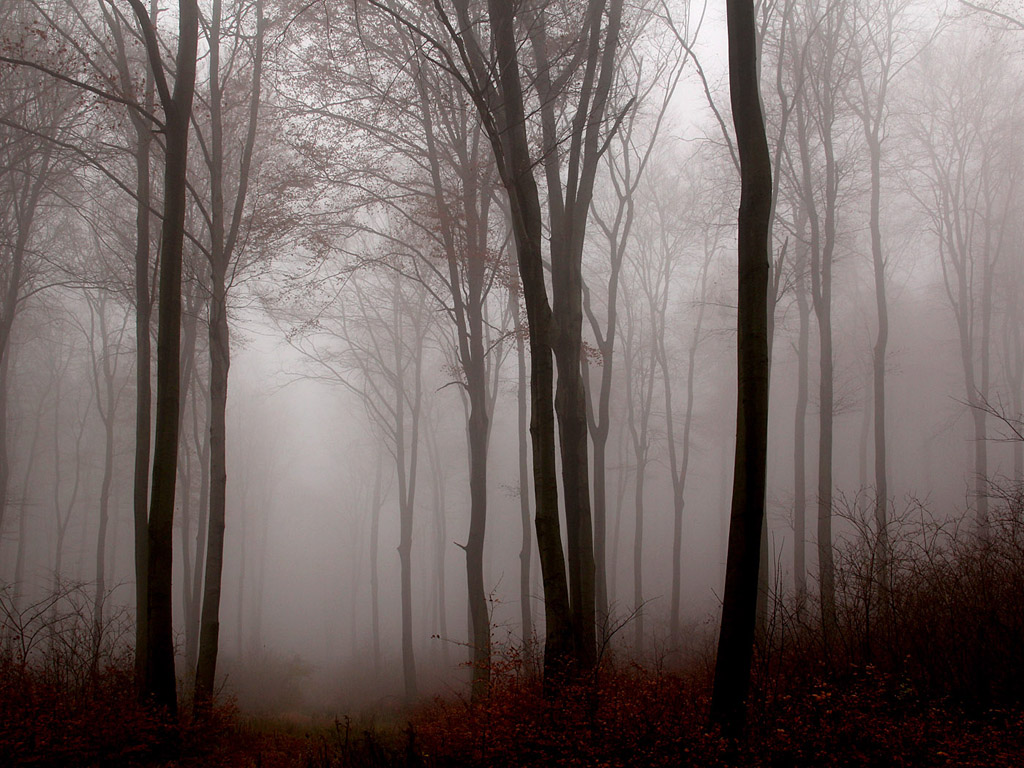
(522, 416)
(736, 640)
(374, 579)
(680, 471)
(479, 615)
(143, 372)
(527, 222)
(106, 408)
(878, 370)
(224, 237)
(159, 668)
(209, 633)
(800, 424)
(201, 438)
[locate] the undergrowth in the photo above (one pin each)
(923, 666)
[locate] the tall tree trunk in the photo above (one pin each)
(640, 375)
(524, 199)
(569, 206)
(106, 403)
(201, 438)
(878, 366)
(159, 682)
(800, 422)
(143, 355)
(822, 243)
(638, 557)
(190, 385)
(440, 549)
(679, 471)
(374, 571)
(479, 615)
(224, 238)
(522, 419)
(736, 640)
(209, 633)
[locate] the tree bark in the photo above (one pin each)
(159, 682)
(736, 640)
(224, 238)
(511, 145)
(800, 421)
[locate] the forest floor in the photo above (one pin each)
(631, 717)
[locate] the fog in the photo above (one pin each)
(374, 300)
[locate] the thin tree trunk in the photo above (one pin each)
(107, 416)
(19, 560)
(800, 423)
(201, 438)
(679, 473)
(143, 370)
(522, 416)
(209, 634)
(189, 383)
(224, 237)
(374, 571)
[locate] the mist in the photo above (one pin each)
(392, 354)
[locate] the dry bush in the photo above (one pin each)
(68, 697)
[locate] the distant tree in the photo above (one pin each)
(643, 291)
(967, 167)
(372, 343)
(36, 112)
(822, 62)
(104, 336)
(704, 225)
(884, 47)
(653, 79)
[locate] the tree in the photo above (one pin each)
(629, 153)
(159, 682)
(968, 186)
(705, 227)
(226, 228)
(36, 113)
(572, 50)
(736, 640)
(822, 58)
(429, 165)
(640, 327)
(882, 46)
(372, 345)
(106, 360)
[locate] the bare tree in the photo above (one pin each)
(572, 50)
(736, 641)
(373, 346)
(967, 189)
(159, 681)
(627, 159)
(245, 30)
